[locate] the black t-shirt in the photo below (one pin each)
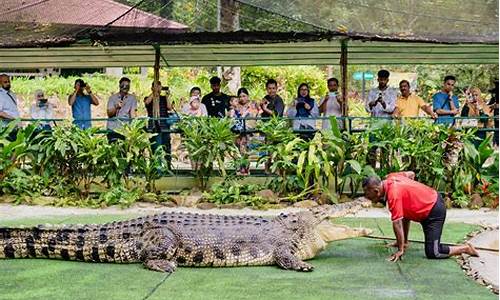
(276, 105)
(216, 104)
(163, 113)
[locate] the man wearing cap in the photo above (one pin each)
(42, 110)
(409, 200)
(216, 102)
(80, 102)
(8, 100)
(121, 106)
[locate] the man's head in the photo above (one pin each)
(215, 84)
(449, 83)
(404, 88)
(372, 186)
(271, 87)
(383, 78)
(333, 84)
(158, 83)
(124, 85)
(5, 81)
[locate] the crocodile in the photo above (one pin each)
(164, 241)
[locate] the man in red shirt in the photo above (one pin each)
(409, 200)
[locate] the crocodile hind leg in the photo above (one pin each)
(285, 259)
(159, 247)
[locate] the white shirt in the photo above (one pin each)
(389, 96)
(333, 108)
(44, 112)
(8, 103)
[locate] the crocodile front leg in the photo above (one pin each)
(159, 247)
(161, 265)
(285, 259)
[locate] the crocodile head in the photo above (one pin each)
(310, 230)
(324, 212)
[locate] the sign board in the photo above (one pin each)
(359, 75)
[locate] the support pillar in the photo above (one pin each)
(343, 72)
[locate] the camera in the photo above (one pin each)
(42, 102)
(164, 91)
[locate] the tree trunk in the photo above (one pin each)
(230, 21)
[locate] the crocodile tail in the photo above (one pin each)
(83, 243)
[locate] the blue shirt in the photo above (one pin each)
(81, 111)
(440, 101)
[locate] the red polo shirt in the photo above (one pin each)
(408, 198)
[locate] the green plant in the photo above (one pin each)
(208, 141)
(232, 191)
(118, 196)
(14, 153)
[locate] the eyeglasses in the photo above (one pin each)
(304, 90)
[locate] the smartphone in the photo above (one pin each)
(164, 91)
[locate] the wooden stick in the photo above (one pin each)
(422, 242)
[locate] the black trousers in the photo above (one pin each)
(433, 228)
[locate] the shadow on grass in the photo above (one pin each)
(349, 269)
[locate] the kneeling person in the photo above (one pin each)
(409, 200)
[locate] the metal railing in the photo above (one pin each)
(349, 123)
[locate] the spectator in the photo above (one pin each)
(244, 109)
(444, 103)
(409, 105)
(194, 107)
(234, 106)
(381, 102)
(331, 104)
(304, 107)
(157, 106)
(41, 109)
(382, 99)
(216, 102)
(120, 105)
(8, 100)
(80, 102)
(493, 104)
(272, 104)
(475, 107)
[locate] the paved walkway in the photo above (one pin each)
(485, 217)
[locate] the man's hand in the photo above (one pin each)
(264, 103)
(88, 89)
(77, 87)
(395, 245)
(119, 104)
(396, 256)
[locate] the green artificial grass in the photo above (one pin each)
(349, 269)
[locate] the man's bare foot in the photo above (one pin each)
(472, 251)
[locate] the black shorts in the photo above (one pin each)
(433, 228)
